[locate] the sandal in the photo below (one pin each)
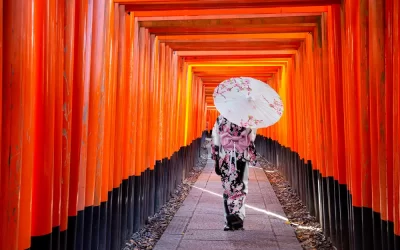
(228, 228)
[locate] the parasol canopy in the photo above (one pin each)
(248, 102)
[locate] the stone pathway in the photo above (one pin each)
(199, 222)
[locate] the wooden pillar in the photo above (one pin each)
(80, 120)
(396, 121)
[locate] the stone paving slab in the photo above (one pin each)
(169, 242)
(178, 225)
(227, 245)
(199, 221)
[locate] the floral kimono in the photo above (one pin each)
(233, 150)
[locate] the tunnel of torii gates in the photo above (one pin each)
(104, 105)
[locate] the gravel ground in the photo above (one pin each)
(307, 228)
(148, 236)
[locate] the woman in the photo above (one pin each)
(233, 150)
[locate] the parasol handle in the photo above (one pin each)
(250, 98)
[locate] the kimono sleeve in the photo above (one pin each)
(252, 153)
(215, 144)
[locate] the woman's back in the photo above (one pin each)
(233, 150)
